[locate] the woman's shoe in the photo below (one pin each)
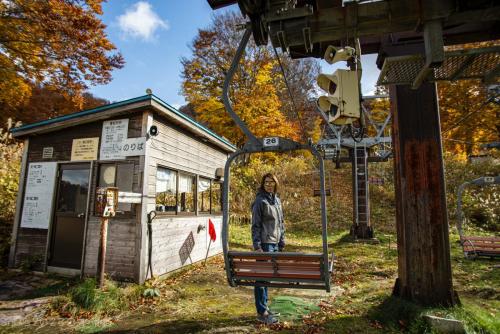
(267, 318)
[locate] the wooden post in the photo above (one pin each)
(424, 268)
(101, 257)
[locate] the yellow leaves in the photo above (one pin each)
(263, 77)
(10, 154)
(58, 42)
(257, 92)
(467, 120)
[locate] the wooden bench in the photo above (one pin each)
(480, 246)
(279, 270)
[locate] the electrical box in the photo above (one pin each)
(106, 201)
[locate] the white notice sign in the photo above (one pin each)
(39, 193)
(114, 134)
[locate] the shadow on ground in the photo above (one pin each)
(225, 325)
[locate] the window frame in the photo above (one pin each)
(196, 212)
(168, 213)
(212, 211)
(119, 214)
(195, 195)
(209, 212)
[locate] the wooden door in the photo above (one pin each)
(69, 217)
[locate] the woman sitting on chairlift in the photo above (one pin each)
(268, 235)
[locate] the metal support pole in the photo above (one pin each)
(101, 257)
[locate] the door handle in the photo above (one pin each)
(80, 215)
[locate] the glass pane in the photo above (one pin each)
(73, 190)
(216, 197)
(187, 186)
(124, 181)
(166, 185)
(203, 195)
(107, 176)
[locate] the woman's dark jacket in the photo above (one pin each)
(267, 220)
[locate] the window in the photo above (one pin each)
(166, 190)
(216, 197)
(120, 175)
(187, 191)
(180, 193)
(203, 195)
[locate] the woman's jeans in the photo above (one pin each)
(260, 292)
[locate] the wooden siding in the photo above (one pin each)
(169, 234)
(179, 150)
(32, 248)
(176, 149)
(121, 248)
(61, 141)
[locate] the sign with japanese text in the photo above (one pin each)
(114, 134)
(84, 149)
(39, 195)
(133, 146)
(47, 153)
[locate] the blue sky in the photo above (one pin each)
(153, 35)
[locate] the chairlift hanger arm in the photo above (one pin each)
(225, 91)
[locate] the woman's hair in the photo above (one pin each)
(275, 179)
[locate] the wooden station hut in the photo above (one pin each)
(159, 159)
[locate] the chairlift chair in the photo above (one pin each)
(475, 246)
(279, 269)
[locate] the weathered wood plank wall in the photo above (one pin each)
(31, 243)
(176, 149)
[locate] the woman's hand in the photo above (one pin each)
(259, 250)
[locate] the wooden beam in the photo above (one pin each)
(424, 267)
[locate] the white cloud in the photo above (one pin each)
(140, 21)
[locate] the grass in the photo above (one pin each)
(198, 298)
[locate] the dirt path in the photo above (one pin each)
(23, 294)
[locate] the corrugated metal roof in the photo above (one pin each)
(97, 110)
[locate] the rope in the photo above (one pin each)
(302, 128)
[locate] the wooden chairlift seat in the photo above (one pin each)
(283, 270)
(475, 246)
(480, 246)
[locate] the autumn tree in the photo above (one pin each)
(468, 117)
(60, 43)
(258, 92)
(45, 103)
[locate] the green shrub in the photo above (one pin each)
(10, 155)
(31, 262)
(88, 296)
